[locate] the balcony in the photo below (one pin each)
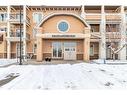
(93, 17)
(15, 36)
(95, 35)
(113, 17)
(113, 36)
(15, 18)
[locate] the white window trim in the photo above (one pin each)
(63, 21)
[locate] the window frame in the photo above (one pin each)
(60, 22)
(4, 16)
(33, 17)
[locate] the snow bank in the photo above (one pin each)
(66, 76)
(101, 61)
(5, 62)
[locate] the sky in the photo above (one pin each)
(63, 2)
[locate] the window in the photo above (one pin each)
(95, 27)
(3, 16)
(57, 50)
(63, 26)
(34, 48)
(92, 50)
(112, 27)
(3, 29)
(37, 17)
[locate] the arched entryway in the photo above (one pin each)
(63, 36)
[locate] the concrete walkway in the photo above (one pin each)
(53, 62)
(7, 79)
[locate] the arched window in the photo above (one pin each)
(37, 17)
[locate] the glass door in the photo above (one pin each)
(57, 50)
(70, 51)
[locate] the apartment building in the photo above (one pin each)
(63, 32)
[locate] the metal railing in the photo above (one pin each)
(113, 35)
(16, 17)
(17, 34)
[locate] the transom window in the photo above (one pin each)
(63, 26)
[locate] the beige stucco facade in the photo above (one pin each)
(78, 32)
(90, 30)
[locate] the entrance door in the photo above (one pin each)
(69, 51)
(57, 50)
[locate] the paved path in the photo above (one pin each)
(53, 62)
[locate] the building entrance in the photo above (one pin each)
(64, 50)
(70, 51)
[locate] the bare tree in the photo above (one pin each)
(113, 37)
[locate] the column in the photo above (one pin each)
(24, 30)
(39, 49)
(83, 12)
(8, 50)
(102, 43)
(8, 33)
(86, 47)
(123, 35)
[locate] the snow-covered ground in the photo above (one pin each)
(66, 76)
(5, 62)
(102, 61)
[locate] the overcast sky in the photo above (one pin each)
(63, 2)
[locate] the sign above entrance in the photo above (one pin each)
(73, 36)
(63, 36)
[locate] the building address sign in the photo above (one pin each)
(63, 36)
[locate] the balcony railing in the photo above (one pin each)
(17, 34)
(16, 17)
(95, 35)
(113, 35)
